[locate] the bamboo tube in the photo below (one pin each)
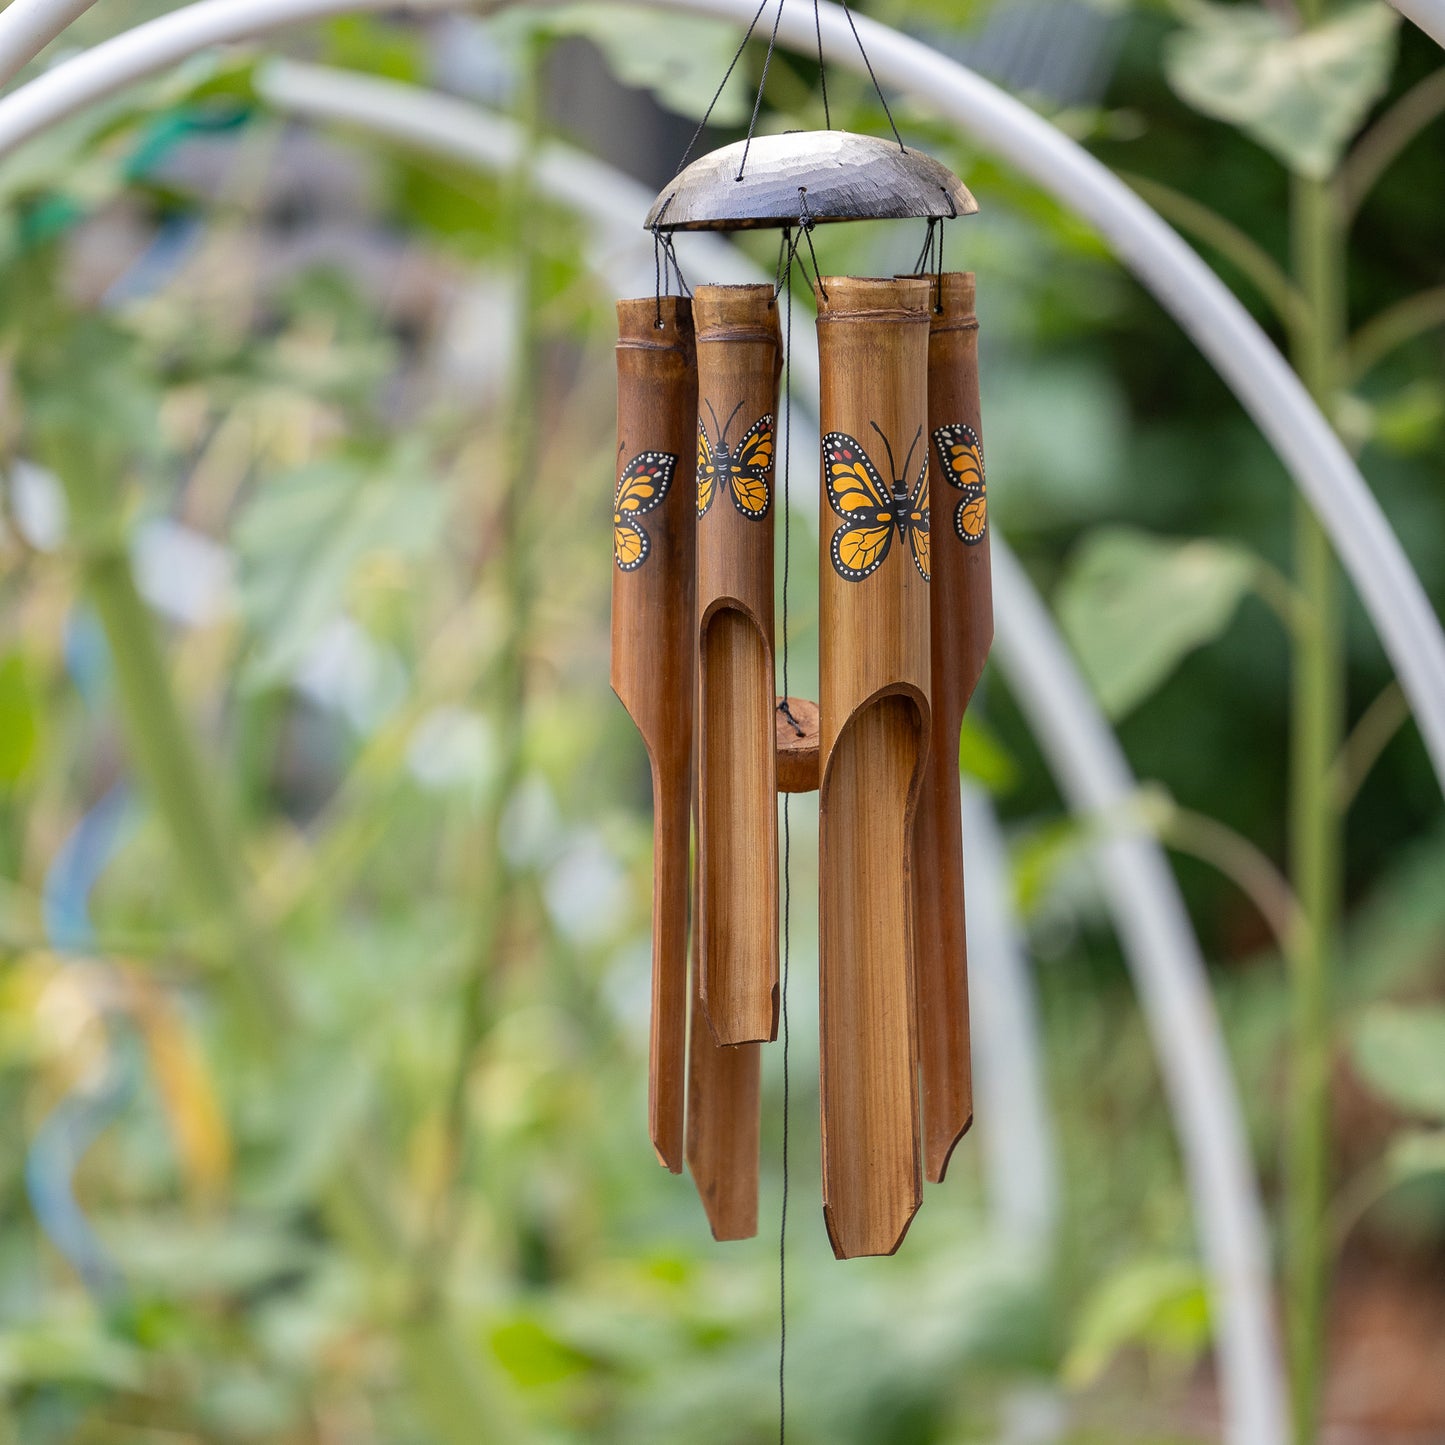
(962, 631)
(652, 650)
(739, 350)
(723, 1120)
(873, 743)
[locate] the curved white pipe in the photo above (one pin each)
(28, 26)
(1158, 942)
(1009, 1081)
(1169, 973)
(1203, 305)
(1429, 15)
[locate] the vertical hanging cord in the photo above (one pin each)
(822, 69)
(787, 840)
(871, 76)
(762, 85)
(727, 75)
(924, 263)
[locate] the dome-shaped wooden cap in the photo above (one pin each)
(821, 175)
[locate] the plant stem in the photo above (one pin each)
(1379, 147)
(1244, 253)
(1316, 729)
(165, 757)
(1393, 327)
(511, 556)
(448, 1385)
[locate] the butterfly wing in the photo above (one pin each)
(858, 495)
(961, 455)
(630, 544)
(918, 523)
(706, 471)
(855, 490)
(644, 483)
(641, 487)
(750, 469)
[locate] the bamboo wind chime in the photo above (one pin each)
(905, 623)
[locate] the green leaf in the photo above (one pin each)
(1160, 1305)
(982, 757)
(69, 1351)
(1408, 422)
(1400, 1051)
(1041, 857)
(176, 1257)
(362, 42)
(302, 537)
(1134, 606)
(533, 1356)
(1415, 1155)
(1300, 94)
(19, 718)
(679, 58)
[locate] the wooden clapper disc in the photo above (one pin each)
(874, 724)
(962, 631)
(739, 359)
(653, 648)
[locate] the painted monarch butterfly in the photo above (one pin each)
(960, 454)
(743, 472)
(642, 486)
(871, 511)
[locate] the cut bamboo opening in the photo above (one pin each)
(962, 632)
(873, 742)
(739, 351)
(653, 650)
(724, 1110)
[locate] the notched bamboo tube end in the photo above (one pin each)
(796, 724)
(846, 297)
(663, 321)
(951, 296)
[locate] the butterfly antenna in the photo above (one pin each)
(715, 431)
(909, 461)
(892, 466)
(723, 438)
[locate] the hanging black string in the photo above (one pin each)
(882, 99)
(822, 69)
(670, 249)
(925, 256)
(762, 85)
(938, 299)
(791, 251)
(727, 76)
(806, 223)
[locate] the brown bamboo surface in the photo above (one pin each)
(962, 631)
(723, 1123)
(653, 661)
(873, 740)
(739, 348)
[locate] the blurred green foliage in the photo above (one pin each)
(324, 850)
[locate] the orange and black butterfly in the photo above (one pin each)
(960, 454)
(872, 510)
(642, 485)
(743, 472)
